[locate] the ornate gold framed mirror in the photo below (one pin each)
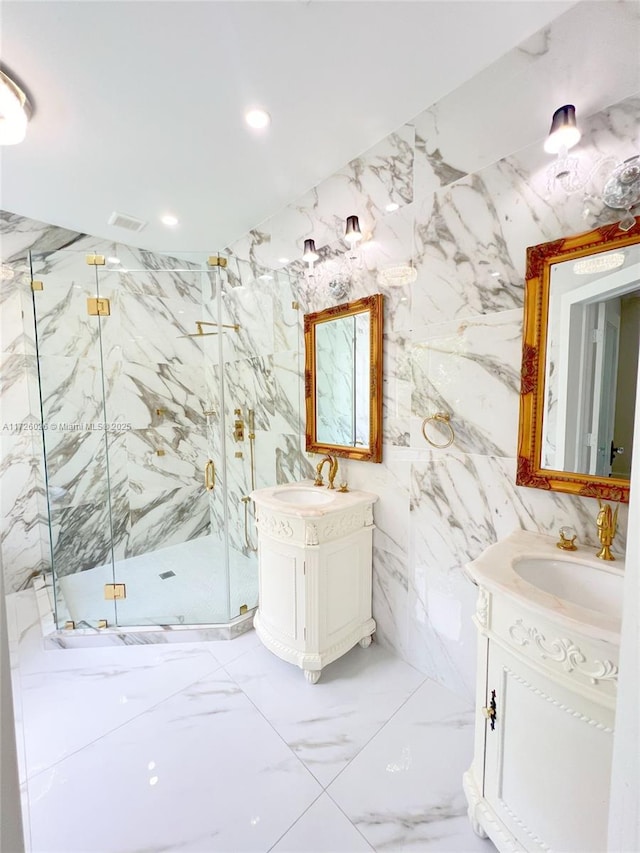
(343, 379)
(580, 347)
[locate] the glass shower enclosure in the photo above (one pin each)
(148, 440)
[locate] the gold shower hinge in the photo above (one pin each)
(243, 609)
(98, 307)
(37, 285)
(217, 261)
(69, 626)
(295, 305)
(102, 623)
(95, 260)
(113, 591)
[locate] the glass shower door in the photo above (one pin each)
(261, 388)
(172, 559)
(71, 394)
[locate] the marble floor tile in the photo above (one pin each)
(202, 771)
(88, 693)
(327, 724)
(321, 828)
(402, 791)
(222, 747)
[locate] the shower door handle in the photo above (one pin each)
(209, 475)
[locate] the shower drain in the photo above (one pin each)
(165, 575)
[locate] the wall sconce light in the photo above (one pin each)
(310, 255)
(622, 189)
(564, 133)
(336, 272)
(352, 233)
(568, 172)
(15, 111)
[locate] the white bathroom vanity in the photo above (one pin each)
(314, 564)
(549, 637)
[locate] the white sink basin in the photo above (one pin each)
(303, 497)
(304, 500)
(574, 589)
(571, 580)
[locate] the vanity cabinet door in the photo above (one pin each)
(344, 588)
(548, 747)
(282, 592)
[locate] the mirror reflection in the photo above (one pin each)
(592, 364)
(580, 363)
(343, 381)
(343, 352)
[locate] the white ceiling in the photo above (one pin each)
(139, 105)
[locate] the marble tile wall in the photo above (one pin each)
(261, 364)
(472, 188)
(472, 192)
(23, 510)
(138, 371)
(134, 370)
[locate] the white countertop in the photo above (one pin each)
(494, 571)
(339, 500)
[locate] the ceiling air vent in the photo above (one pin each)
(123, 220)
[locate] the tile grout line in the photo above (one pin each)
(383, 726)
(29, 777)
(310, 772)
(293, 753)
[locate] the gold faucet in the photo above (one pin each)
(607, 524)
(333, 470)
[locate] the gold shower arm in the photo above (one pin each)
(200, 323)
(200, 334)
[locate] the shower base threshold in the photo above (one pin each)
(85, 636)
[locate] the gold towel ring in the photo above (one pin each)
(441, 417)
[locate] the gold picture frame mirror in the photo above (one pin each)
(343, 379)
(580, 346)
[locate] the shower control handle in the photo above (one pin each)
(209, 475)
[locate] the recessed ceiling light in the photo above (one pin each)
(15, 111)
(257, 118)
(283, 260)
(265, 277)
(113, 260)
(392, 206)
(169, 220)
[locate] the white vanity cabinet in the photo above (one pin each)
(314, 564)
(546, 688)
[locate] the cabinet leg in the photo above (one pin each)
(312, 675)
(477, 827)
(365, 642)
